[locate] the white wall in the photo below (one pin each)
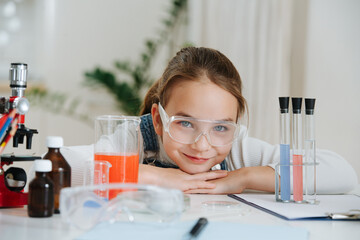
(332, 74)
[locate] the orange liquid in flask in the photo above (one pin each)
(125, 168)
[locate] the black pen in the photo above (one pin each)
(198, 227)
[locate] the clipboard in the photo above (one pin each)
(331, 207)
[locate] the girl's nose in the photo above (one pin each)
(202, 143)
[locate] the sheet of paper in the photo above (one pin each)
(327, 204)
(213, 231)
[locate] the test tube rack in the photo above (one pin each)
(295, 174)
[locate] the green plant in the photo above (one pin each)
(128, 89)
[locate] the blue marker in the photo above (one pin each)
(284, 149)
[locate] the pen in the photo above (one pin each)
(198, 227)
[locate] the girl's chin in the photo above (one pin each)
(194, 169)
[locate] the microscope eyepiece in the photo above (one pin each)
(18, 78)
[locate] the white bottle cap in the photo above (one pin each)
(54, 142)
(43, 165)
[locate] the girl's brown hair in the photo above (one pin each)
(192, 63)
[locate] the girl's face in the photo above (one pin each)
(202, 100)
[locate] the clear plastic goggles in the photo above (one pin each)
(188, 130)
(83, 207)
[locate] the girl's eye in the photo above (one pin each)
(220, 128)
(185, 124)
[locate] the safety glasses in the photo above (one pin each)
(188, 130)
(84, 208)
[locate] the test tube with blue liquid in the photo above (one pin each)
(310, 151)
(285, 149)
(297, 150)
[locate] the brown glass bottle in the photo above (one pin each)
(41, 191)
(61, 170)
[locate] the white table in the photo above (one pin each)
(15, 224)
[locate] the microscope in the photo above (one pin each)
(13, 180)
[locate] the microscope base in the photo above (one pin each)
(10, 198)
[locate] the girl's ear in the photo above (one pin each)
(156, 119)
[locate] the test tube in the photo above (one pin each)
(310, 151)
(297, 151)
(284, 149)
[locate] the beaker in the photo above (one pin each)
(117, 141)
(97, 173)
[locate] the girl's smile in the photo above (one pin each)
(197, 160)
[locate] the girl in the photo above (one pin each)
(193, 139)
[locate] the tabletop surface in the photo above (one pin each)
(15, 224)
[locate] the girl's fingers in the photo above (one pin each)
(203, 184)
(202, 190)
(209, 175)
(198, 185)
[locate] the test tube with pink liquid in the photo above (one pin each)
(297, 150)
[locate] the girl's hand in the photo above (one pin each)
(256, 178)
(175, 178)
(234, 182)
